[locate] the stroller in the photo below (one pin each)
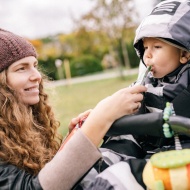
(154, 146)
(160, 168)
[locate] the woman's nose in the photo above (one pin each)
(35, 75)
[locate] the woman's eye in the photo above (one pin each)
(21, 69)
(157, 47)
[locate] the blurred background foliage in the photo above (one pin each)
(102, 39)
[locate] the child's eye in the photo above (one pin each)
(145, 47)
(157, 46)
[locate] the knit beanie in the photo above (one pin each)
(13, 48)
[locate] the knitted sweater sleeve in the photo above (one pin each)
(70, 164)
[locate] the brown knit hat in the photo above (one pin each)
(13, 48)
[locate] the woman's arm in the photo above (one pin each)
(80, 153)
(62, 172)
(69, 164)
(124, 102)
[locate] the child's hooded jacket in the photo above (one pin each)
(169, 20)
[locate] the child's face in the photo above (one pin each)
(24, 77)
(162, 57)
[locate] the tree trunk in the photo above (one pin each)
(125, 55)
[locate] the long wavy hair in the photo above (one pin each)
(28, 134)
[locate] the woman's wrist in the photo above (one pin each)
(95, 128)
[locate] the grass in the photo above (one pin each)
(69, 101)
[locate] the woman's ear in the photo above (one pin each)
(184, 57)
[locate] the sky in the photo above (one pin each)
(40, 18)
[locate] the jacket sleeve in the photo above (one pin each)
(70, 164)
(13, 178)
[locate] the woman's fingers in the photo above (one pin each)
(137, 89)
(84, 114)
(73, 123)
(76, 120)
(134, 97)
(137, 107)
(137, 97)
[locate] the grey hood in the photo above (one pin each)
(169, 20)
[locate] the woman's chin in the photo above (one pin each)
(32, 101)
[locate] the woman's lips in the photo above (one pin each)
(32, 89)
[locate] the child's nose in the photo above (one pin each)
(147, 53)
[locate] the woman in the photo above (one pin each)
(28, 130)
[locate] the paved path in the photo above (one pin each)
(93, 77)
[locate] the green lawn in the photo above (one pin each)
(69, 101)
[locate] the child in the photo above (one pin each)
(162, 41)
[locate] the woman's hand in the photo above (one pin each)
(123, 102)
(75, 121)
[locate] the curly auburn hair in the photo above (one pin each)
(28, 134)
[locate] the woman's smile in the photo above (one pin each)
(24, 78)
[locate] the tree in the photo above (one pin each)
(114, 18)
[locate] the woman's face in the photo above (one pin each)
(24, 78)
